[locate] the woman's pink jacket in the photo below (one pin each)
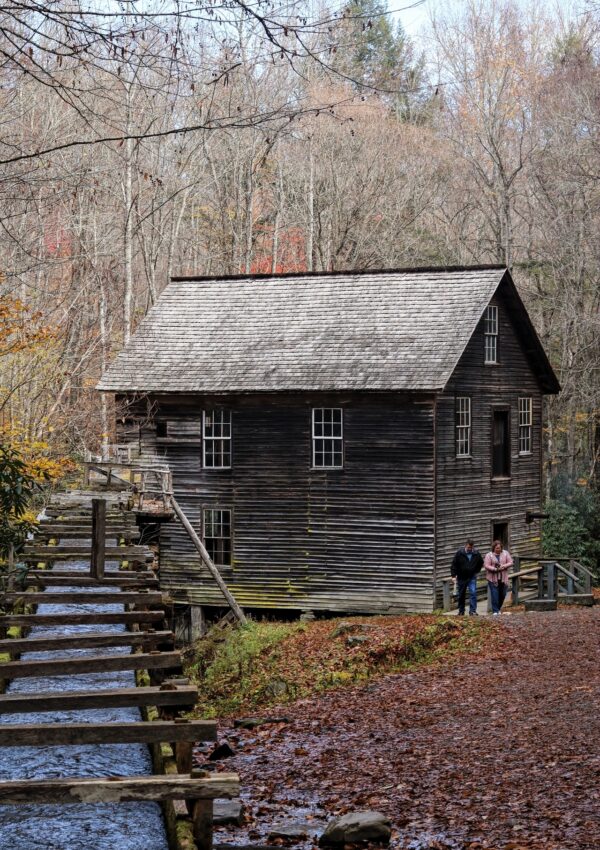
(496, 566)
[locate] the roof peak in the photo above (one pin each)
(341, 272)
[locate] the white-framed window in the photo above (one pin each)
(490, 330)
(216, 524)
(525, 424)
(463, 426)
(216, 439)
(328, 437)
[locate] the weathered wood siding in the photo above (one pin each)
(468, 500)
(354, 539)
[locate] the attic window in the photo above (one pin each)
(216, 443)
(327, 438)
(490, 329)
(217, 535)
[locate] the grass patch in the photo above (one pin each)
(265, 664)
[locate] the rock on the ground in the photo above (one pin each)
(291, 831)
(253, 722)
(356, 827)
(221, 751)
(356, 640)
(228, 813)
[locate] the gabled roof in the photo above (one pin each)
(389, 330)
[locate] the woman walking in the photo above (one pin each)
(497, 563)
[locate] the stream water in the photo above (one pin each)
(124, 826)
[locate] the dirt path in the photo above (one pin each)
(495, 752)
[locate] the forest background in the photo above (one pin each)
(150, 139)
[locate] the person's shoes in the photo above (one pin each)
(473, 614)
(461, 613)
(496, 613)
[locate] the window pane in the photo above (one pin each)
(217, 535)
(217, 439)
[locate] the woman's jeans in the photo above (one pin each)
(462, 585)
(498, 594)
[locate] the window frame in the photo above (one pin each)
(490, 334)
(332, 439)
(505, 410)
(525, 428)
(458, 426)
(221, 509)
(212, 440)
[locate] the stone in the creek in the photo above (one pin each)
(356, 827)
(228, 813)
(293, 831)
(221, 751)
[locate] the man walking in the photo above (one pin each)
(467, 562)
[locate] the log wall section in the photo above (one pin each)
(468, 500)
(355, 539)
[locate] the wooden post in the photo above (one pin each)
(197, 623)
(98, 538)
(209, 563)
(551, 579)
(514, 596)
(202, 817)
(446, 594)
(541, 582)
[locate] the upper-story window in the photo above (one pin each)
(327, 437)
(463, 426)
(490, 330)
(525, 424)
(216, 439)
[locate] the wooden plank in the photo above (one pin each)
(66, 734)
(81, 553)
(86, 640)
(183, 697)
(91, 664)
(123, 617)
(74, 598)
(120, 789)
(122, 579)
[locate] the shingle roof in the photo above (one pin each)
(396, 330)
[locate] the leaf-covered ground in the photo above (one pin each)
(267, 663)
(495, 750)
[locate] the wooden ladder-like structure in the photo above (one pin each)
(75, 518)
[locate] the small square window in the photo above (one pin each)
(327, 437)
(217, 535)
(490, 330)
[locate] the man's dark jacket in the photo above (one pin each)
(462, 567)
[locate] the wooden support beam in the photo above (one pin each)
(120, 789)
(123, 618)
(98, 557)
(73, 598)
(67, 734)
(183, 697)
(129, 580)
(87, 640)
(90, 664)
(202, 811)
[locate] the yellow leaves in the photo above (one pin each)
(37, 455)
(20, 327)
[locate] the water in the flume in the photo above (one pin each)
(122, 826)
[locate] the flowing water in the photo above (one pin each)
(123, 826)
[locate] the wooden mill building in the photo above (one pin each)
(334, 437)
